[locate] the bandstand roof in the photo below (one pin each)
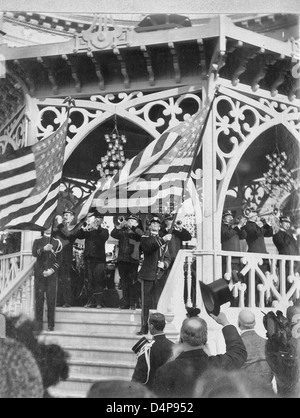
(105, 56)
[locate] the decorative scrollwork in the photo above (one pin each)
(14, 133)
(121, 98)
(100, 36)
(50, 118)
(235, 122)
(170, 108)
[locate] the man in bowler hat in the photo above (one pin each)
(152, 245)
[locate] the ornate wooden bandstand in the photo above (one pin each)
(148, 75)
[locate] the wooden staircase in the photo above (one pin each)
(99, 342)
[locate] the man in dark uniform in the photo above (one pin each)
(256, 230)
(230, 240)
(129, 234)
(179, 235)
(94, 258)
(152, 245)
(286, 244)
(284, 240)
(67, 234)
(157, 353)
(47, 251)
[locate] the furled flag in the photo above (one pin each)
(29, 183)
(155, 180)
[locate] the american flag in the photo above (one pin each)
(29, 183)
(155, 180)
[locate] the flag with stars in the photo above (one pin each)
(156, 179)
(29, 183)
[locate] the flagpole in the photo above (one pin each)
(70, 102)
(199, 145)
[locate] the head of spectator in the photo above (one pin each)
(246, 320)
(157, 323)
(20, 376)
(53, 363)
(285, 223)
(219, 383)
(119, 389)
(52, 360)
(293, 315)
(193, 333)
(68, 216)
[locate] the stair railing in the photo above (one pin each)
(276, 288)
(9, 268)
(18, 296)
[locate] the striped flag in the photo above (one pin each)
(29, 183)
(155, 180)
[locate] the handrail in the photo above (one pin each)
(277, 286)
(10, 265)
(19, 296)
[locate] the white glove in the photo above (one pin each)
(48, 247)
(167, 237)
(48, 272)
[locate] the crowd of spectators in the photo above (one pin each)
(250, 367)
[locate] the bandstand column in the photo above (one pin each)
(28, 237)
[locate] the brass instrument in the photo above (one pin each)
(269, 217)
(247, 211)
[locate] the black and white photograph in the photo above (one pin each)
(149, 202)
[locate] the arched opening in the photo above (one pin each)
(82, 164)
(245, 187)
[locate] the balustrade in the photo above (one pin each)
(276, 288)
(9, 268)
(17, 295)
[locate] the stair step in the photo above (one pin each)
(99, 342)
(103, 340)
(108, 353)
(103, 368)
(82, 383)
(90, 341)
(91, 314)
(98, 327)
